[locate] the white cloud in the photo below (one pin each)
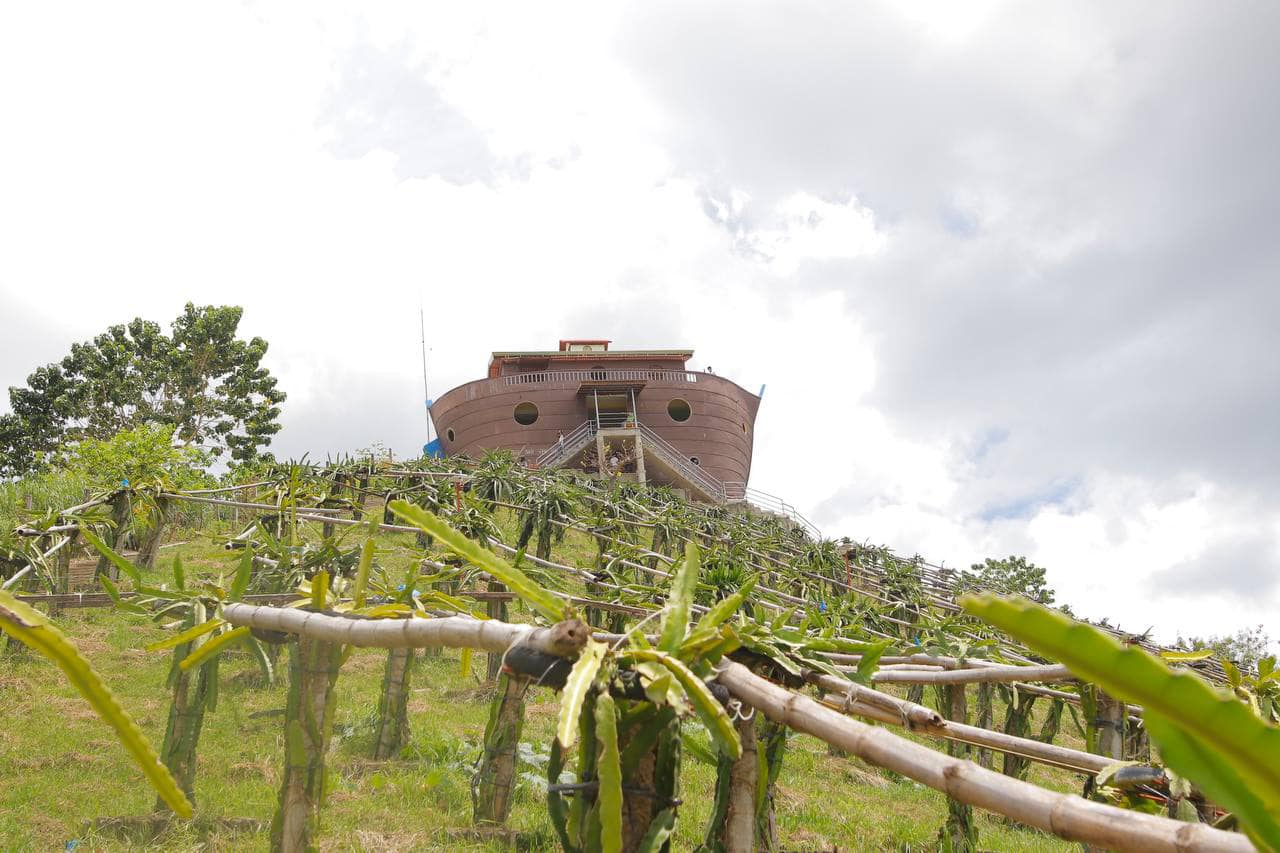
(965, 248)
(805, 228)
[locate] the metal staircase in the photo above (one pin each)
(720, 492)
(662, 449)
(567, 447)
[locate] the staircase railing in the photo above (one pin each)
(725, 492)
(737, 492)
(567, 446)
(673, 457)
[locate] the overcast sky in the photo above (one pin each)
(1009, 271)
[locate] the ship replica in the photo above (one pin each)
(634, 414)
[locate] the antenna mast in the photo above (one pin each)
(426, 393)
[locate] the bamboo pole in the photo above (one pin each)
(1064, 815)
(19, 575)
(494, 784)
(959, 834)
(1060, 757)
(889, 709)
(241, 504)
(563, 639)
(1002, 674)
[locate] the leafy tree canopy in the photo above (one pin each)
(144, 454)
(200, 379)
(1011, 576)
(1243, 648)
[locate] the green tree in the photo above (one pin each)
(1011, 576)
(144, 453)
(201, 379)
(1244, 648)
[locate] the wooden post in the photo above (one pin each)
(335, 495)
(393, 705)
(1017, 722)
(116, 536)
(1110, 725)
(732, 828)
(313, 669)
(357, 500)
(959, 834)
(62, 566)
(496, 608)
(1106, 729)
(494, 784)
(149, 547)
(771, 742)
(984, 720)
(193, 692)
(1137, 745)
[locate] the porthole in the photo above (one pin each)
(679, 410)
(526, 413)
(449, 433)
(695, 461)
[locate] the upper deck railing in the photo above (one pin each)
(601, 374)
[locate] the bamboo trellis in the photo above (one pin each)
(1068, 816)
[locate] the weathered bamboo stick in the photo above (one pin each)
(18, 575)
(1066, 816)
(57, 528)
(489, 635)
(348, 522)
(910, 714)
(1003, 674)
(932, 660)
(89, 504)
(243, 504)
(1135, 711)
(1054, 756)
(75, 600)
(224, 488)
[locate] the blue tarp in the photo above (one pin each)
(433, 449)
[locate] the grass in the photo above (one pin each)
(61, 767)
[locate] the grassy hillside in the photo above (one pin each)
(61, 767)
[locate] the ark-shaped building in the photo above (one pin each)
(638, 414)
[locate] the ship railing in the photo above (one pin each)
(737, 492)
(539, 377)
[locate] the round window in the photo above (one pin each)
(679, 410)
(449, 433)
(695, 460)
(526, 413)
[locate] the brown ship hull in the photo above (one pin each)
(718, 432)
